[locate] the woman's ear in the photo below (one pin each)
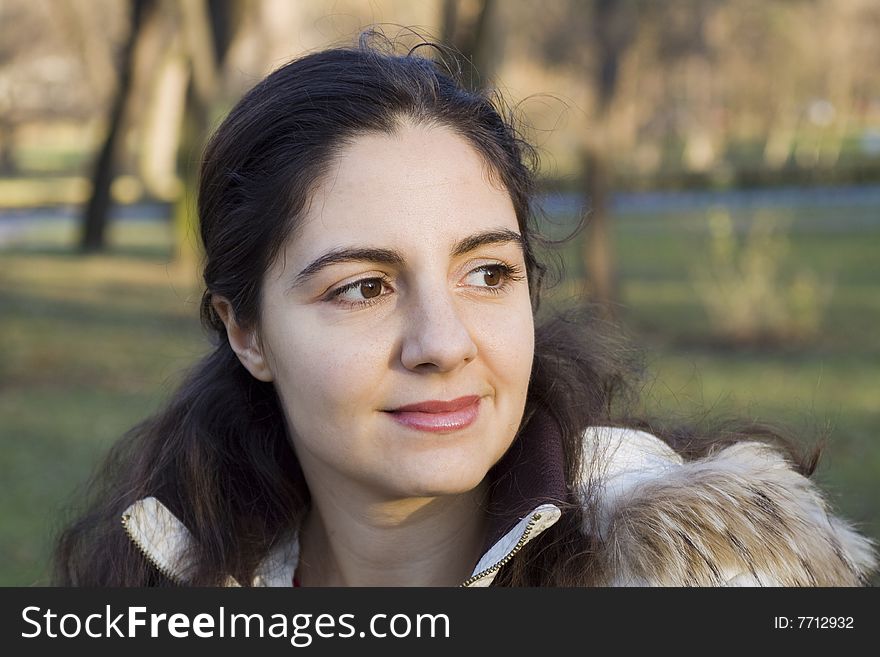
(243, 341)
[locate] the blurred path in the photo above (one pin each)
(16, 222)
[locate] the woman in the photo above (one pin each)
(380, 408)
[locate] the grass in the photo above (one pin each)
(91, 345)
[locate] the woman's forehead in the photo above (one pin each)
(420, 182)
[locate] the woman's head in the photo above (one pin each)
(356, 150)
(282, 139)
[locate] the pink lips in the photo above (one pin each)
(439, 416)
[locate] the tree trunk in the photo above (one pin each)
(613, 30)
(448, 21)
(598, 252)
(208, 29)
(162, 126)
(7, 161)
(95, 217)
(470, 34)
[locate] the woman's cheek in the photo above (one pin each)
(342, 366)
(508, 338)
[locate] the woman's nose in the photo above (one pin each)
(436, 337)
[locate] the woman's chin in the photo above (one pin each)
(428, 483)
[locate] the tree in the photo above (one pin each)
(595, 37)
(613, 29)
(98, 208)
(469, 32)
(208, 30)
(598, 41)
(204, 30)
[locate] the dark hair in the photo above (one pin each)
(219, 455)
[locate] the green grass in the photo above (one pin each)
(91, 345)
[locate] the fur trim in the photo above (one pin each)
(740, 517)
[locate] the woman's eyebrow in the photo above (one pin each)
(495, 236)
(395, 258)
(338, 255)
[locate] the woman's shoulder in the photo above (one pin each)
(739, 516)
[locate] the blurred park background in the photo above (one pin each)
(727, 152)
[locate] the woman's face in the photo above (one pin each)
(405, 283)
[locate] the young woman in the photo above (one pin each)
(380, 408)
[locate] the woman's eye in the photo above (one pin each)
(359, 292)
(370, 288)
(493, 277)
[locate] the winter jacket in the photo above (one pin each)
(738, 517)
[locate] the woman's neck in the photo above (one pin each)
(413, 542)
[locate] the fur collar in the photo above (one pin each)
(741, 516)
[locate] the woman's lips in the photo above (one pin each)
(438, 422)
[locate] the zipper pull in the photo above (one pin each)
(164, 540)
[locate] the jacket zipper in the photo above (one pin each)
(516, 548)
(162, 570)
(470, 580)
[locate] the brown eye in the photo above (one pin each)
(492, 277)
(361, 293)
(371, 288)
